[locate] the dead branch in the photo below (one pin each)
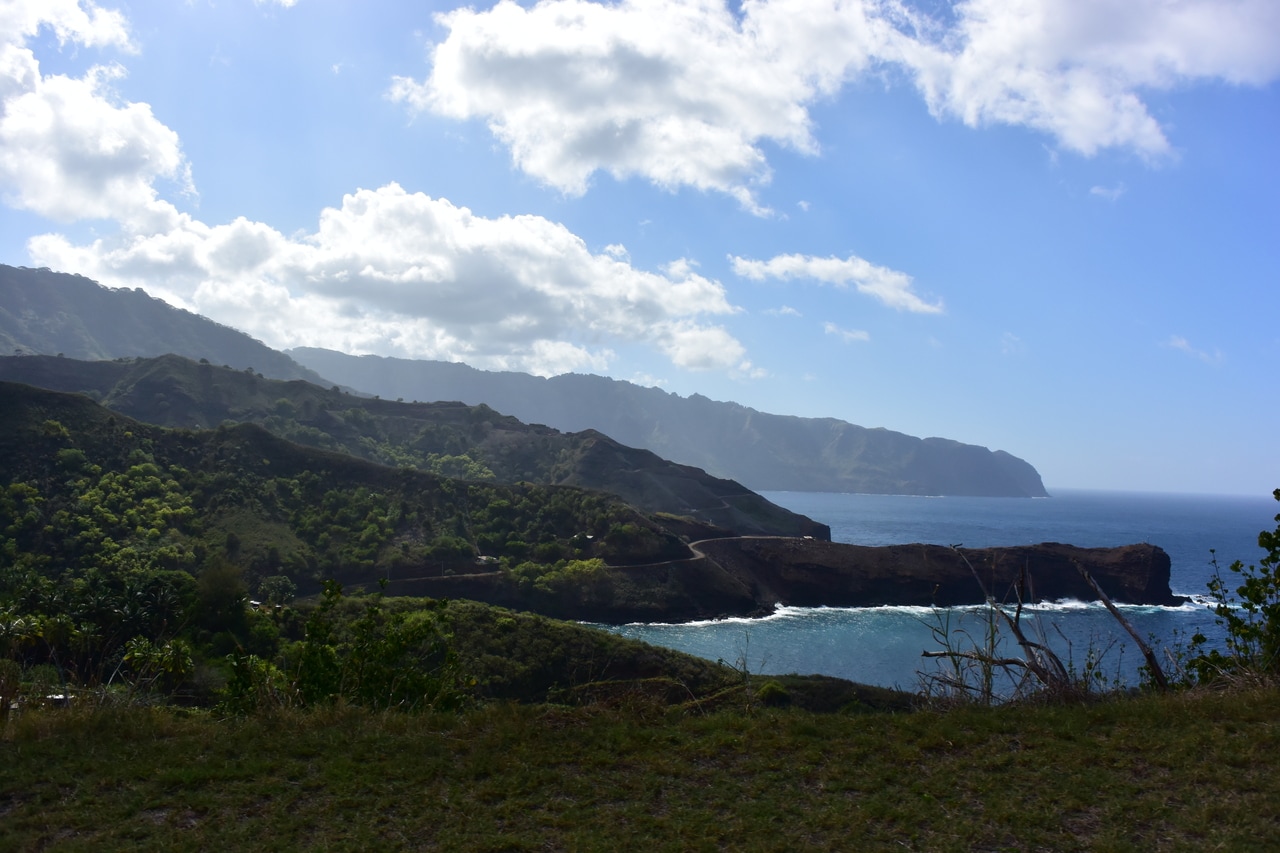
(1041, 660)
(1157, 674)
(977, 656)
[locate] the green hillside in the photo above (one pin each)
(448, 439)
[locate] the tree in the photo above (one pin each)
(222, 596)
(277, 590)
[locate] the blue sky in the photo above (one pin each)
(1045, 226)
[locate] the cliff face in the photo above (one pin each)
(749, 576)
(808, 573)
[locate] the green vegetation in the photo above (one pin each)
(450, 440)
(198, 719)
(129, 554)
(1251, 617)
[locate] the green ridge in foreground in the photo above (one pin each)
(1192, 771)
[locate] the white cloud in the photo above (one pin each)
(849, 336)
(684, 93)
(1183, 345)
(70, 21)
(680, 92)
(697, 347)
(405, 274)
(647, 381)
(889, 286)
(1076, 69)
(784, 311)
(1109, 193)
(68, 149)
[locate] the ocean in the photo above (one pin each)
(884, 645)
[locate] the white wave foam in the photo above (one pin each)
(1195, 604)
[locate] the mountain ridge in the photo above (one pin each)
(47, 312)
(445, 438)
(761, 450)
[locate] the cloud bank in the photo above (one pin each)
(684, 93)
(406, 274)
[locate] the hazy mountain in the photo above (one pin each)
(760, 450)
(448, 439)
(48, 312)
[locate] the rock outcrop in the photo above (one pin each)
(808, 573)
(750, 576)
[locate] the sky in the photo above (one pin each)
(1050, 227)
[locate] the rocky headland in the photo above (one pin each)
(752, 575)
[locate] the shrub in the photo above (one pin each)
(773, 695)
(1250, 614)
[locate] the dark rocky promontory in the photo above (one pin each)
(750, 576)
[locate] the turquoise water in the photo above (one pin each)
(883, 645)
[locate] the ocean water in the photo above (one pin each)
(884, 645)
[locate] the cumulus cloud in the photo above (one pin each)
(890, 287)
(679, 92)
(68, 148)
(402, 273)
(1181, 344)
(68, 151)
(849, 336)
(685, 92)
(386, 271)
(1076, 69)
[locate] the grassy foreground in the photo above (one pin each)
(1198, 770)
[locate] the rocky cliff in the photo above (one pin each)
(750, 576)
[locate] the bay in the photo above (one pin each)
(883, 645)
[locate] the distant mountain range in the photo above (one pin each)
(50, 313)
(760, 450)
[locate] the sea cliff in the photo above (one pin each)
(751, 575)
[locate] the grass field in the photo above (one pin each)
(1193, 771)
